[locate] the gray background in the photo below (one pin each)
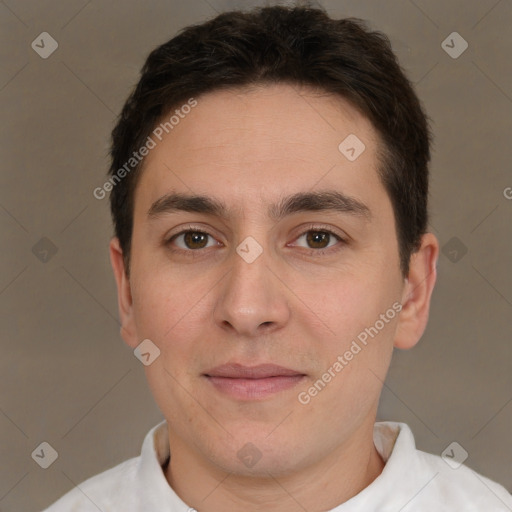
(68, 379)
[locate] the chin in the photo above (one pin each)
(258, 457)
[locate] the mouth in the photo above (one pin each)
(252, 382)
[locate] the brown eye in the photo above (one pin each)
(318, 239)
(195, 239)
(191, 240)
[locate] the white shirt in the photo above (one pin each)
(411, 481)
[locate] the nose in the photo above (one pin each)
(252, 299)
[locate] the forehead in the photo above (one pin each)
(242, 145)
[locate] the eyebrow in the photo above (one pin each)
(328, 200)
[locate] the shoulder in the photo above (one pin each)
(424, 481)
(100, 491)
(456, 485)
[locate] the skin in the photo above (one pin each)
(291, 306)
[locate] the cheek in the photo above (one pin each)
(355, 360)
(362, 315)
(164, 305)
(349, 303)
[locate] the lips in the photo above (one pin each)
(252, 382)
(262, 371)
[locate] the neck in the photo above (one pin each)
(318, 487)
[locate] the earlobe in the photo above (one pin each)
(417, 293)
(124, 295)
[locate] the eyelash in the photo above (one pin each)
(310, 251)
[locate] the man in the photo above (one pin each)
(269, 194)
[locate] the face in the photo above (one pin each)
(256, 294)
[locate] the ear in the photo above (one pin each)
(417, 292)
(124, 295)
